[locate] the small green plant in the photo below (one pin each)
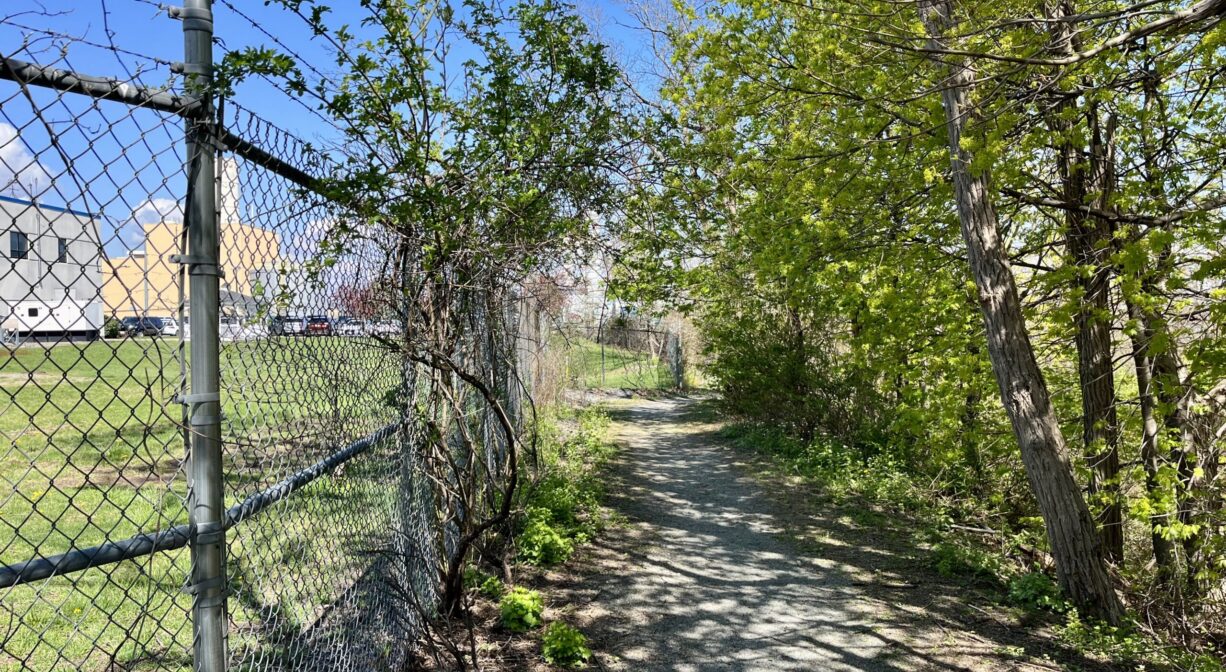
(492, 588)
(1122, 644)
(486, 584)
(564, 645)
(955, 560)
(1036, 590)
(1128, 646)
(110, 328)
(520, 609)
(541, 543)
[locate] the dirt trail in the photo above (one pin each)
(716, 570)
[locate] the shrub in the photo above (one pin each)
(110, 328)
(564, 645)
(1036, 590)
(540, 543)
(521, 609)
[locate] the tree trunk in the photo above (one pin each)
(1164, 553)
(1088, 239)
(1172, 395)
(1074, 541)
(1173, 399)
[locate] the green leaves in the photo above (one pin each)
(564, 645)
(238, 65)
(520, 609)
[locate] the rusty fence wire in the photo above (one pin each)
(234, 484)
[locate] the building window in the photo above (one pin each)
(61, 251)
(19, 245)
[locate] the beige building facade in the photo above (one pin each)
(145, 282)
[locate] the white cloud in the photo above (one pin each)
(20, 172)
(157, 210)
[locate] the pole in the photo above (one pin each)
(205, 505)
(145, 273)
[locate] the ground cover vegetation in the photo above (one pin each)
(975, 245)
(557, 511)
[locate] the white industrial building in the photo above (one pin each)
(50, 278)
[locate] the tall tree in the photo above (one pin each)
(1084, 174)
(1070, 527)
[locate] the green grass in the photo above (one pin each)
(92, 449)
(618, 368)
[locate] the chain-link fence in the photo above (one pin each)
(214, 445)
(627, 352)
(92, 456)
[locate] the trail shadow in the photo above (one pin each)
(709, 576)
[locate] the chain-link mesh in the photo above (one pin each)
(351, 469)
(305, 377)
(91, 446)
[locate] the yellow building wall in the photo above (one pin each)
(244, 249)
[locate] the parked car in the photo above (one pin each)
(348, 326)
(318, 325)
(287, 326)
(142, 326)
(170, 326)
(385, 328)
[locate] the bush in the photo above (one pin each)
(110, 328)
(1036, 590)
(540, 543)
(521, 609)
(564, 645)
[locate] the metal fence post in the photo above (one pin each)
(208, 579)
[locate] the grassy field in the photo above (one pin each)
(93, 451)
(620, 368)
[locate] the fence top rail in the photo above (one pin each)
(101, 88)
(162, 100)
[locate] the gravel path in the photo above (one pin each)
(716, 572)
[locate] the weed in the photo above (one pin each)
(564, 645)
(957, 560)
(540, 543)
(1036, 590)
(492, 587)
(560, 509)
(520, 609)
(486, 584)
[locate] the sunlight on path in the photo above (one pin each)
(705, 578)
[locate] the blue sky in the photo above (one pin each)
(125, 165)
(139, 26)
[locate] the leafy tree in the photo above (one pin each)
(878, 210)
(476, 144)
